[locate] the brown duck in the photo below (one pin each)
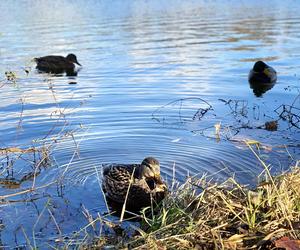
(146, 183)
(57, 64)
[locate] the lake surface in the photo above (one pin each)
(157, 77)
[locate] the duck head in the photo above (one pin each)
(72, 58)
(261, 67)
(150, 170)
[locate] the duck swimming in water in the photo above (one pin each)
(262, 73)
(144, 180)
(57, 64)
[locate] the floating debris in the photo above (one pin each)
(11, 76)
(271, 125)
(17, 150)
(182, 111)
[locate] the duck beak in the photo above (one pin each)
(267, 72)
(78, 63)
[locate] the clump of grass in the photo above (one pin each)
(205, 215)
(201, 214)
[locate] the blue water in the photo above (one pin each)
(148, 67)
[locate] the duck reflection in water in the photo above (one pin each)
(58, 64)
(260, 89)
(262, 78)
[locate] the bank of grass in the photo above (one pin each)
(201, 214)
(204, 215)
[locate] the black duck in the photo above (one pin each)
(262, 73)
(57, 64)
(146, 183)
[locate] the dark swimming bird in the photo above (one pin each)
(262, 73)
(146, 183)
(57, 64)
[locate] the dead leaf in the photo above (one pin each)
(271, 125)
(231, 242)
(288, 244)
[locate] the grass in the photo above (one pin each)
(201, 214)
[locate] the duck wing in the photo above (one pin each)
(273, 75)
(116, 179)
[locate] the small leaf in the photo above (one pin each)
(236, 238)
(288, 244)
(231, 242)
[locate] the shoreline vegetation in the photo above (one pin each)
(202, 214)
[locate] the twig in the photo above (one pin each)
(26, 191)
(126, 197)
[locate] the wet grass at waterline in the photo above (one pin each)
(201, 214)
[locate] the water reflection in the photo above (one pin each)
(260, 88)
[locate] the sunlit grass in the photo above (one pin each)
(201, 214)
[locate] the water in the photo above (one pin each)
(148, 67)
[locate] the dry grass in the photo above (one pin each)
(204, 215)
(201, 214)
